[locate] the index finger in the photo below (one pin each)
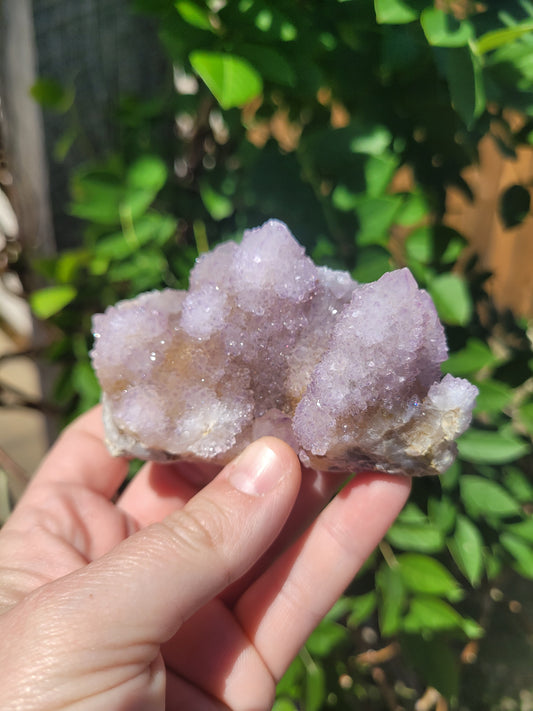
(81, 457)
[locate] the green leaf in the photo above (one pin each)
(147, 173)
(414, 209)
(218, 206)
(443, 30)
(436, 661)
(452, 299)
(372, 262)
(376, 215)
(465, 81)
(97, 196)
(371, 140)
(193, 14)
(391, 599)
(518, 484)
(485, 497)
(466, 548)
(521, 552)
(421, 537)
(270, 63)
(524, 529)
(52, 95)
(394, 12)
(493, 397)
(484, 447)
(450, 478)
(284, 705)
(411, 513)
(52, 299)
(497, 38)
(422, 574)
(69, 263)
(290, 683)
(148, 228)
(86, 384)
(232, 80)
(442, 513)
(326, 636)
(525, 412)
(419, 245)
(471, 359)
(362, 607)
(379, 170)
(315, 688)
(430, 614)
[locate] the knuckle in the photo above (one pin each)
(200, 530)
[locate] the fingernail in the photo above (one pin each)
(257, 470)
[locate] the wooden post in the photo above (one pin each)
(25, 151)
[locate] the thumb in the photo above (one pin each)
(153, 581)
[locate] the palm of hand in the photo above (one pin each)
(233, 649)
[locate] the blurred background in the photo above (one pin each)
(136, 134)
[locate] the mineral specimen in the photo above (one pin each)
(265, 342)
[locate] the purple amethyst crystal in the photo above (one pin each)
(265, 342)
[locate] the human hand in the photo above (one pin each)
(173, 598)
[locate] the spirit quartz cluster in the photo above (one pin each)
(266, 342)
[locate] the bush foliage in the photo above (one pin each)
(349, 120)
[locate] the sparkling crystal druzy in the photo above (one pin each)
(265, 342)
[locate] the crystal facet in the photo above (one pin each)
(266, 342)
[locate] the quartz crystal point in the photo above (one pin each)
(266, 342)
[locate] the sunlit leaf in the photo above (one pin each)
(147, 173)
(193, 14)
(290, 682)
(493, 396)
(520, 485)
(284, 705)
(379, 170)
(218, 205)
(506, 35)
(413, 210)
(421, 537)
(523, 529)
(362, 607)
(424, 574)
(232, 80)
(451, 297)
(394, 12)
(471, 359)
(521, 551)
(372, 140)
(52, 299)
(526, 415)
(466, 548)
(419, 245)
(488, 447)
(485, 497)
(443, 30)
(326, 636)
(427, 613)
(442, 513)
(315, 688)
(391, 599)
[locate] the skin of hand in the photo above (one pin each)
(171, 595)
